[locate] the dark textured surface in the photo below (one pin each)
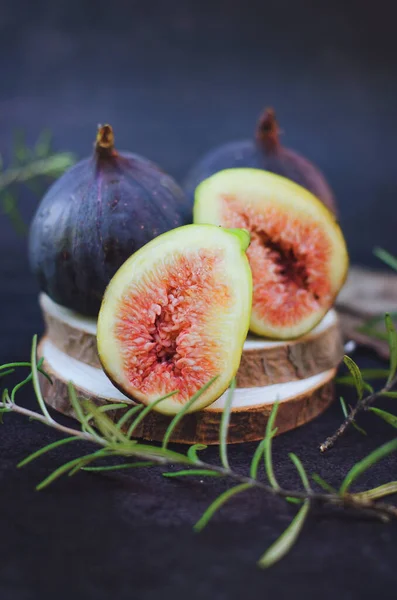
(173, 80)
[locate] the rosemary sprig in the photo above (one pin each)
(386, 257)
(27, 167)
(98, 429)
(357, 377)
(364, 403)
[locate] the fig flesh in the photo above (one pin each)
(94, 217)
(176, 315)
(264, 151)
(297, 252)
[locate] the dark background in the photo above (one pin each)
(175, 78)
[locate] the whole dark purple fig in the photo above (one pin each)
(95, 216)
(263, 152)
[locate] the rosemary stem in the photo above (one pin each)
(361, 405)
(355, 502)
(9, 406)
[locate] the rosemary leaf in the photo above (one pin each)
(386, 257)
(19, 385)
(356, 374)
(224, 426)
(345, 414)
(344, 407)
(146, 411)
(256, 458)
(14, 364)
(55, 165)
(301, 470)
(367, 462)
(76, 404)
(218, 502)
(374, 373)
(392, 339)
(10, 208)
(124, 419)
(192, 452)
(102, 453)
(74, 401)
(115, 406)
(349, 381)
(106, 408)
(150, 452)
(22, 364)
(42, 147)
(120, 466)
(258, 455)
(387, 489)
(45, 449)
(196, 472)
(287, 539)
(8, 372)
(61, 470)
(358, 428)
(21, 153)
(184, 410)
(268, 448)
(108, 429)
(386, 416)
(36, 383)
(323, 484)
(293, 500)
(388, 394)
(26, 364)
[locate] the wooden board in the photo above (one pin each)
(263, 362)
(300, 402)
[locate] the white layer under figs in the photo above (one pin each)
(88, 325)
(95, 382)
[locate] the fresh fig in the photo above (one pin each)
(263, 152)
(95, 216)
(297, 253)
(176, 315)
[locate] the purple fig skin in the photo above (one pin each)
(94, 217)
(264, 152)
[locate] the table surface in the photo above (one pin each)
(174, 79)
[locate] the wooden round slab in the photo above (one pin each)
(263, 362)
(300, 402)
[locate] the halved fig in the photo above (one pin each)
(176, 315)
(297, 253)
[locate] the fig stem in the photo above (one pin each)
(104, 144)
(267, 131)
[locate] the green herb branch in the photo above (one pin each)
(110, 440)
(27, 166)
(360, 378)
